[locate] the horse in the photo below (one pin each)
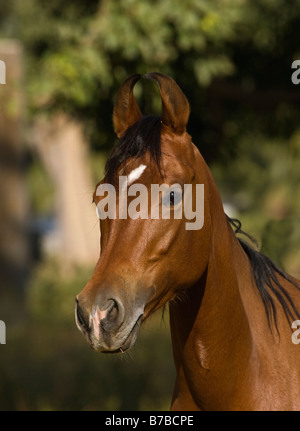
(231, 309)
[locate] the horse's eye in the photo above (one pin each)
(172, 198)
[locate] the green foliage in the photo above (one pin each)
(263, 184)
(52, 291)
(51, 368)
(47, 365)
(78, 53)
(40, 189)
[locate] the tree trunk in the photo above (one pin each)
(64, 152)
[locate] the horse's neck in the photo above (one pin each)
(225, 354)
(210, 329)
(214, 307)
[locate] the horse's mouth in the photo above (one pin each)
(130, 340)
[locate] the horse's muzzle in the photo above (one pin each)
(108, 325)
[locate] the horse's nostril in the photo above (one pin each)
(113, 311)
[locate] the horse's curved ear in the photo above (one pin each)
(126, 111)
(175, 106)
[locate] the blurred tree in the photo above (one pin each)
(232, 58)
(14, 210)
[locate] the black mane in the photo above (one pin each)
(145, 136)
(265, 274)
(140, 137)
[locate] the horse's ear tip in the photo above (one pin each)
(132, 79)
(147, 75)
(126, 111)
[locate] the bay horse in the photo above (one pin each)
(231, 308)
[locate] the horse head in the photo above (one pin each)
(146, 259)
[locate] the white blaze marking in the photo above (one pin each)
(135, 174)
(124, 183)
